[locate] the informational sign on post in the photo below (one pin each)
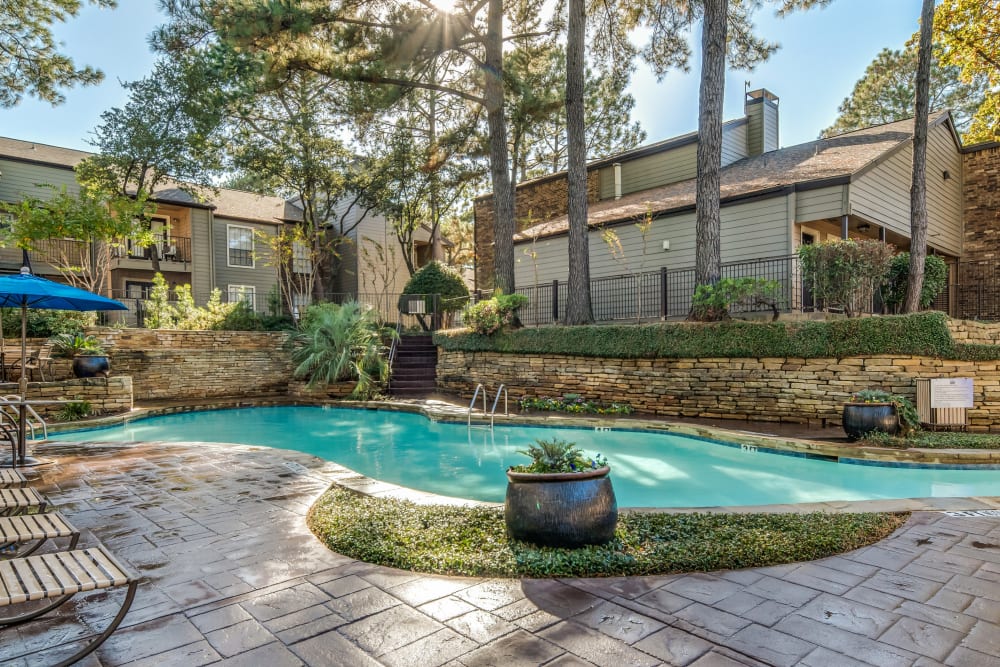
(951, 393)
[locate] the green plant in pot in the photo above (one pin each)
(88, 354)
(562, 498)
(876, 410)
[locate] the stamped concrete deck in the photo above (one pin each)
(232, 576)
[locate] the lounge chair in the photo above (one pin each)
(17, 531)
(12, 477)
(40, 361)
(21, 501)
(58, 576)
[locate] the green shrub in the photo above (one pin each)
(435, 278)
(549, 456)
(711, 303)
(492, 315)
(75, 411)
(46, 323)
(917, 334)
(894, 288)
(573, 403)
(844, 274)
(68, 345)
(342, 342)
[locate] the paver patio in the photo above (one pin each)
(232, 576)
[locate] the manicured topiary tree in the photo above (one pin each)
(431, 280)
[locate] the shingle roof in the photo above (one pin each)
(840, 156)
(233, 204)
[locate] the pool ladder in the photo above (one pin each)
(492, 413)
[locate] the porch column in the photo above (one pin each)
(881, 234)
(843, 227)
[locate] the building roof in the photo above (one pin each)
(234, 204)
(812, 164)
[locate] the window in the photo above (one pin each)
(245, 293)
(240, 245)
(301, 262)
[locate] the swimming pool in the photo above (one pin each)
(647, 469)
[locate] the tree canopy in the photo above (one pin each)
(30, 60)
(968, 32)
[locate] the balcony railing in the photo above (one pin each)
(175, 249)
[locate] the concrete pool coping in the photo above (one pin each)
(441, 410)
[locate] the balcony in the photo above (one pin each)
(174, 254)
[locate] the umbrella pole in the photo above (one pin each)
(22, 409)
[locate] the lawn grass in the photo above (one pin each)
(472, 541)
(935, 440)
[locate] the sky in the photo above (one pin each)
(823, 53)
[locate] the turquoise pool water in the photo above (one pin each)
(647, 469)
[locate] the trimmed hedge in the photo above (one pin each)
(922, 334)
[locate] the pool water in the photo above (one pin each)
(647, 469)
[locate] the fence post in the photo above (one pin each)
(663, 292)
(555, 300)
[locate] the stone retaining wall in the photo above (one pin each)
(787, 390)
(971, 331)
(174, 365)
(109, 395)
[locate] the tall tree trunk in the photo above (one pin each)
(437, 247)
(578, 309)
(918, 186)
(708, 255)
(503, 189)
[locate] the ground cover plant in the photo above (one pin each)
(573, 403)
(934, 440)
(472, 541)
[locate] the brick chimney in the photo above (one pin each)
(761, 107)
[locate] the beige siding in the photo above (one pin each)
(734, 143)
(201, 264)
(380, 265)
(882, 194)
(21, 179)
(820, 204)
(750, 230)
(678, 164)
(261, 276)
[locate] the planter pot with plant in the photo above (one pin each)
(562, 499)
(878, 411)
(88, 355)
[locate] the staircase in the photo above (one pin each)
(415, 367)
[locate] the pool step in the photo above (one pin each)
(414, 371)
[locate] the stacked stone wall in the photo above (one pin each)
(536, 202)
(973, 332)
(108, 395)
(782, 390)
(176, 365)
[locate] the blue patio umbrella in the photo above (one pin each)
(25, 290)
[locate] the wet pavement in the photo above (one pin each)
(231, 575)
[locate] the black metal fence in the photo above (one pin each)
(658, 294)
(973, 292)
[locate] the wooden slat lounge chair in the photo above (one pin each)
(16, 531)
(21, 501)
(12, 477)
(59, 576)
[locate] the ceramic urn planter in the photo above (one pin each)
(860, 419)
(561, 509)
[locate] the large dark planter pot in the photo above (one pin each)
(561, 509)
(862, 418)
(91, 366)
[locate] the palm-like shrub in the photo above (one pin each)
(342, 342)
